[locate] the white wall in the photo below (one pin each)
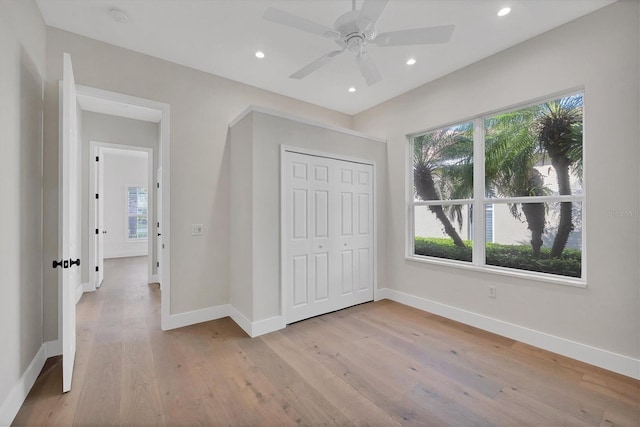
(202, 106)
(112, 130)
(22, 48)
(600, 53)
(255, 201)
(122, 169)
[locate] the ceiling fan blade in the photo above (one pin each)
(308, 69)
(285, 18)
(368, 69)
(371, 11)
(428, 35)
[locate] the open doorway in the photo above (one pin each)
(122, 205)
(121, 115)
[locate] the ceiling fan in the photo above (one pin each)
(355, 30)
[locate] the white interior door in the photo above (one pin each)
(159, 244)
(329, 235)
(69, 222)
(99, 209)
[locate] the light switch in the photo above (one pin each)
(197, 229)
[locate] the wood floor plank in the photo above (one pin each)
(345, 398)
(310, 407)
(362, 376)
(376, 364)
(140, 403)
(473, 408)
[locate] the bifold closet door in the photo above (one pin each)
(328, 222)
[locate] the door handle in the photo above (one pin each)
(104, 231)
(159, 234)
(64, 263)
(76, 262)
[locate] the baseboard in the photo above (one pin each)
(240, 319)
(197, 316)
(585, 353)
(88, 287)
(18, 393)
(80, 291)
(260, 327)
(265, 326)
(52, 348)
(126, 254)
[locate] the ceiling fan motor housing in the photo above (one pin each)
(353, 37)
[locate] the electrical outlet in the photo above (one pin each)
(492, 291)
(197, 229)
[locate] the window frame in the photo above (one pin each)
(128, 215)
(479, 200)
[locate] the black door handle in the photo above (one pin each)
(76, 262)
(63, 263)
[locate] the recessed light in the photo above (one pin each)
(504, 11)
(119, 15)
(352, 89)
(259, 54)
(411, 61)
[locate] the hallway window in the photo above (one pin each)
(137, 213)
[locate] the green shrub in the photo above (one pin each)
(510, 256)
(442, 248)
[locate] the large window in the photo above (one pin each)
(519, 173)
(137, 213)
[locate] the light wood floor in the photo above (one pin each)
(380, 364)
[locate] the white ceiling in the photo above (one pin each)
(221, 37)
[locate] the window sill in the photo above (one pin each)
(501, 271)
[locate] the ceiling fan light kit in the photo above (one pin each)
(354, 31)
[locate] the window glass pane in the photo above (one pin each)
(542, 237)
(535, 151)
(443, 231)
(443, 164)
(132, 233)
(137, 211)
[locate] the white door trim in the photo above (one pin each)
(164, 162)
(93, 152)
(292, 149)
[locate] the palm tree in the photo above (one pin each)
(559, 131)
(511, 152)
(443, 166)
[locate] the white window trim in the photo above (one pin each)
(479, 200)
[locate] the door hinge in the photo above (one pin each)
(97, 196)
(157, 185)
(97, 231)
(97, 268)
(97, 159)
(157, 263)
